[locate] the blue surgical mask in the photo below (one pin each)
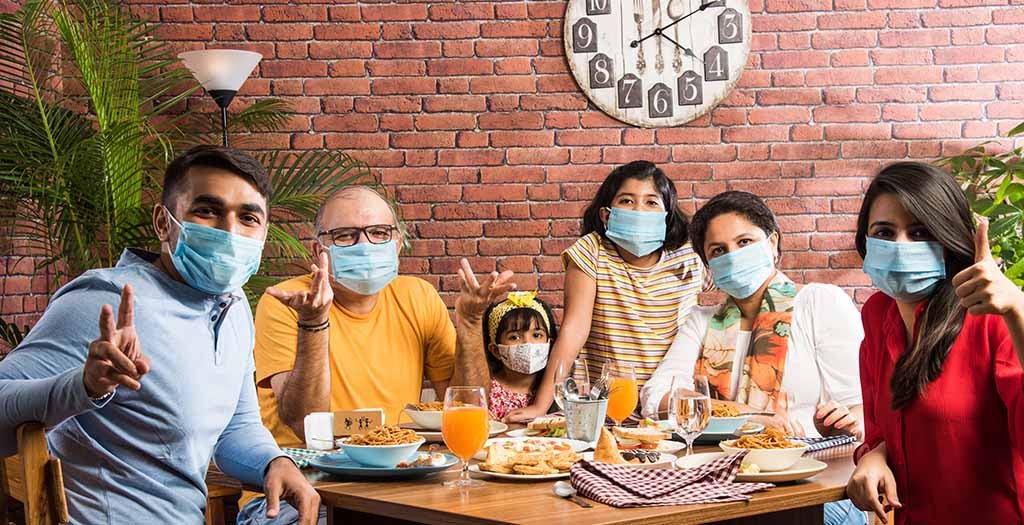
(214, 261)
(637, 232)
(365, 268)
(906, 271)
(741, 273)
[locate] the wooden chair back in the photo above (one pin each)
(34, 478)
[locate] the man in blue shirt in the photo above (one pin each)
(137, 406)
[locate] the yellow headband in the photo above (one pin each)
(515, 301)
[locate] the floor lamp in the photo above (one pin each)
(222, 73)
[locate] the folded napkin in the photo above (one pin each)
(822, 443)
(625, 486)
(301, 456)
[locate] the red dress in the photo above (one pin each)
(503, 400)
(955, 451)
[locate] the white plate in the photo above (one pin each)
(665, 461)
(577, 446)
(517, 477)
(522, 432)
(434, 436)
(804, 468)
(670, 447)
(754, 428)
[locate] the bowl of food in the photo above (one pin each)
(725, 419)
(383, 447)
(770, 450)
(427, 416)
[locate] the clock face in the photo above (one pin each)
(648, 79)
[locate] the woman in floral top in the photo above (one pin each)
(518, 333)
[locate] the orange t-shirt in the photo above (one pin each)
(377, 360)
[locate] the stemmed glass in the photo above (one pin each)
(623, 392)
(464, 427)
(578, 373)
(689, 408)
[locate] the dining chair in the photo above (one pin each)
(34, 478)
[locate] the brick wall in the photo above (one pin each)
(470, 114)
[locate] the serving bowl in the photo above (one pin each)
(426, 419)
(381, 456)
(768, 459)
(725, 425)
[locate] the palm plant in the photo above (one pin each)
(993, 182)
(90, 114)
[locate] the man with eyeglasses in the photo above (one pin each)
(355, 334)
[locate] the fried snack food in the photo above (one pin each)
(723, 410)
(770, 438)
(384, 436)
(435, 406)
(504, 460)
(607, 449)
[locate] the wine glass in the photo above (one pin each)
(623, 392)
(578, 373)
(464, 427)
(689, 407)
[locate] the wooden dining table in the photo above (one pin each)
(426, 500)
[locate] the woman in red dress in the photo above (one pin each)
(940, 364)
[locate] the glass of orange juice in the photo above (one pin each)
(623, 393)
(464, 427)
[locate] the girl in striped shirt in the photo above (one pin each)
(630, 280)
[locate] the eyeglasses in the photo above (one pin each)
(341, 237)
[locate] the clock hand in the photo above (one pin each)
(686, 50)
(660, 31)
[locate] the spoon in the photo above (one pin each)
(564, 489)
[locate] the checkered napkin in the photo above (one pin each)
(822, 443)
(625, 486)
(301, 456)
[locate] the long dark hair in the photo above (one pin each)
(518, 319)
(677, 223)
(932, 197)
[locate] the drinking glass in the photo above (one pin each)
(689, 408)
(578, 372)
(623, 392)
(464, 426)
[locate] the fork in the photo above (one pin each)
(638, 17)
(659, 61)
(677, 60)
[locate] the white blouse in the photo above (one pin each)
(821, 363)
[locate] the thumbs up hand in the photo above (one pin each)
(982, 288)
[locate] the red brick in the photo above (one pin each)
(874, 150)
(779, 115)
(518, 120)
(522, 29)
(446, 30)
(340, 50)
(951, 111)
(864, 20)
(520, 139)
(914, 38)
(1004, 35)
(1001, 72)
(1005, 110)
(804, 151)
(393, 68)
(505, 84)
(471, 103)
(217, 13)
(932, 130)
(690, 153)
(449, 229)
(892, 57)
(423, 140)
(538, 156)
(404, 86)
(481, 11)
(968, 55)
(842, 132)
(460, 67)
(470, 157)
(293, 13)
(789, 6)
(371, 13)
(909, 75)
(505, 48)
(407, 49)
(957, 17)
(337, 86)
(347, 32)
(509, 246)
(553, 102)
(844, 39)
(794, 59)
(840, 76)
(277, 32)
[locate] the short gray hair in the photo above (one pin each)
(347, 191)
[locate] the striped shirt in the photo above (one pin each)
(637, 311)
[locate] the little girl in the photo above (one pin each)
(630, 280)
(518, 333)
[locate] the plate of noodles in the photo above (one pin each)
(383, 447)
(770, 450)
(802, 469)
(725, 419)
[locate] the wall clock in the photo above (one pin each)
(657, 63)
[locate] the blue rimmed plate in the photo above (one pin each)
(340, 464)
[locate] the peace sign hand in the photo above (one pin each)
(313, 306)
(115, 358)
(477, 296)
(982, 288)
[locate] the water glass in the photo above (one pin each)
(689, 408)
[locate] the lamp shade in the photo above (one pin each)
(221, 69)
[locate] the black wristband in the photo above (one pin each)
(318, 327)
